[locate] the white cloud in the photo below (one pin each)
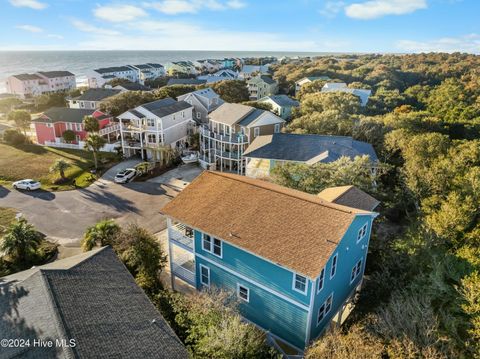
(55, 36)
(33, 4)
(29, 28)
(332, 8)
(378, 8)
(173, 7)
(467, 43)
(86, 27)
(119, 13)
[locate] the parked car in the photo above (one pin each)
(27, 184)
(125, 175)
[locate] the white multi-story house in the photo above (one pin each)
(249, 71)
(208, 65)
(39, 83)
(92, 98)
(147, 128)
(134, 73)
(203, 101)
(261, 86)
(307, 80)
(230, 130)
(181, 67)
(362, 94)
(224, 74)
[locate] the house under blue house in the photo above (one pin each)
(294, 260)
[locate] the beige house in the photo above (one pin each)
(261, 86)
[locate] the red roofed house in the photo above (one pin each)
(51, 125)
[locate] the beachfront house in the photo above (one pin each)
(261, 86)
(131, 86)
(181, 67)
(249, 71)
(133, 73)
(218, 76)
(230, 130)
(147, 128)
(294, 261)
(267, 152)
(92, 98)
(362, 94)
(40, 83)
(282, 105)
(203, 101)
(307, 80)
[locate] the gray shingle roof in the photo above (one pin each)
(282, 100)
(106, 70)
(25, 77)
(301, 148)
(97, 94)
(157, 66)
(64, 114)
(230, 113)
(93, 299)
(133, 86)
(166, 106)
(263, 78)
(185, 82)
(53, 74)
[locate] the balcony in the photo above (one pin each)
(229, 155)
(182, 236)
(234, 138)
(183, 266)
(131, 144)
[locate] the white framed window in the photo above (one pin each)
(183, 114)
(199, 115)
(212, 245)
(300, 283)
(276, 128)
(256, 132)
(333, 270)
(204, 275)
(151, 138)
(151, 122)
(357, 268)
(78, 126)
(325, 308)
(321, 280)
(362, 232)
(243, 292)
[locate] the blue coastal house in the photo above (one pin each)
(294, 260)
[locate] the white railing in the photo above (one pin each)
(177, 234)
(109, 147)
(109, 129)
(183, 273)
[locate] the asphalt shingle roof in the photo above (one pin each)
(54, 74)
(301, 148)
(64, 114)
(97, 94)
(93, 299)
(26, 77)
(166, 106)
(106, 70)
(133, 86)
(282, 100)
(185, 82)
(349, 196)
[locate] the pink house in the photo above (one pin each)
(51, 125)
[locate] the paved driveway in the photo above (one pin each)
(64, 216)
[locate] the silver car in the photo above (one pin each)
(125, 175)
(27, 184)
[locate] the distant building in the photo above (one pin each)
(281, 105)
(150, 126)
(50, 126)
(150, 71)
(309, 79)
(266, 152)
(181, 67)
(231, 128)
(249, 71)
(349, 196)
(362, 94)
(203, 101)
(194, 82)
(133, 73)
(39, 83)
(92, 98)
(261, 86)
(89, 303)
(294, 261)
(131, 86)
(218, 76)
(209, 66)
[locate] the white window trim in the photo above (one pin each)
(336, 265)
(212, 245)
(322, 274)
(248, 292)
(294, 280)
(359, 271)
(276, 128)
(208, 270)
(203, 242)
(361, 236)
(256, 131)
(326, 312)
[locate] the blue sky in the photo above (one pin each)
(270, 25)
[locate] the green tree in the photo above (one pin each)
(94, 143)
(68, 136)
(91, 124)
(21, 118)
(233, 91)
(20, 242)
(102, 233)
(60, 166)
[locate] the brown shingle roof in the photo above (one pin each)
(349, 196)
(292, 228)
(230, 113)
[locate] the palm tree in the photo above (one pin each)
(91, 124)
(94, 143)
(60, 166)
(20, 242)
(102, 233)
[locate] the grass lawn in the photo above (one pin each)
(7, 216)
(33, 161)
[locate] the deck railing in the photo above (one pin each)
(178, 234)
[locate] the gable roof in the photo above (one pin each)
(26, 77)
(251, 214)
(262, 78)
(185, 82)
(96, 94)
(106, 70)
(165, 107)
(349, 196)
(132, 86)
(281, 100)
(248, 69)
(302, 148)
(64, 114)
(54, 74)
(204, 97)
(311, 79)
(230, 113)
(91, 298)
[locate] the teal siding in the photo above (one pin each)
(255, 268)
(270, 312)
(349, 253)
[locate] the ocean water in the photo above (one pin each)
(80, 62)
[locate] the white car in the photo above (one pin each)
(28, 184)
(125, 175)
